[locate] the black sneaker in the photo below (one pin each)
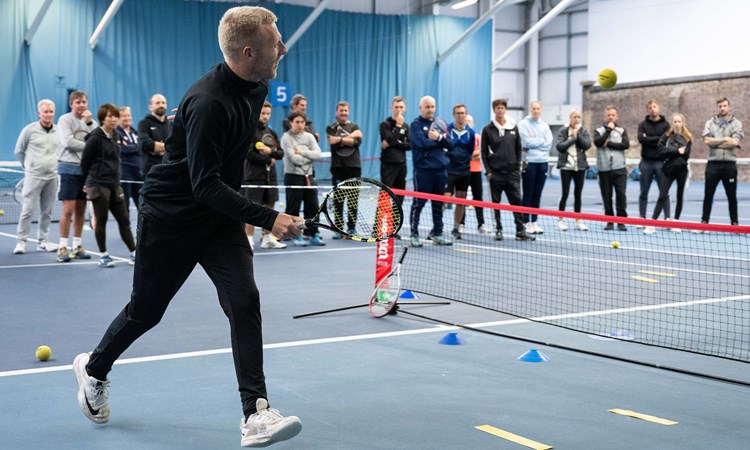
(609, 227)
(621, 227)
(522, 236)
(499, 235)
(456, 234)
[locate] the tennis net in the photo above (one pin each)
(685, 286)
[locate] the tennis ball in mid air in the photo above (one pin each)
(43, 353)
(615, 244)
(2, 213)
(607, 78)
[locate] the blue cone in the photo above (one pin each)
(408, 294)
(452, 339)
(533, 355)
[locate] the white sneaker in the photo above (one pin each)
(267, 426)
(675, 230)
(537, 228)
(45, 246)
(529, 227)
(93, 395)
(269, 241)
(561, 225)
(580, 226)
(461, 228)
(649, 230)
(482, 229)
(20, 248)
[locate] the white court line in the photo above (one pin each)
(362, 337)
(607, 261)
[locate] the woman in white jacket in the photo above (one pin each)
(300, 151)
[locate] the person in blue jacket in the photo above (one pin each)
(459, 160)
(536, 139)
(430, 158)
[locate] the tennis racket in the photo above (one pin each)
(440, 126)
(376, 210)
(343, 152)
(18, 192)
(386, 293)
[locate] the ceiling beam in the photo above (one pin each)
(307, 23)
(106, 19)
(37, 21)
(484, 18)
(531, 31)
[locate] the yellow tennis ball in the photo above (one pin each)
(2, 212)
(615, 244)
(607, 78)
(43, 353)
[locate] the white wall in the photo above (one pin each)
(655, 39)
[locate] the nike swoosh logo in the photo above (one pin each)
(91, 410)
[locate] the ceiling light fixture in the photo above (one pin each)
(463, 4)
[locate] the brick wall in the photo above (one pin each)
(695, 97)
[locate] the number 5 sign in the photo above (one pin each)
(280, 93)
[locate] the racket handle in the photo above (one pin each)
(305, 224)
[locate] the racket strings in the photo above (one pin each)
(364, 210)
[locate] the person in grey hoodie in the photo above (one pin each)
(722, 134)
(611, 141)
(36, 150)
(72, 128)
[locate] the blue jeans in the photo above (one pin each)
(650, 171)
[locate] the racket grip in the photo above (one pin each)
(305, 224)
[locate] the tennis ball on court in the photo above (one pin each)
(615, 244)
(43, 353)
(607, 78)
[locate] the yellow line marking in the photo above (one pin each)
(662, 274)
(647, 280)
(464, 250)
(659, 420)
(513, 437)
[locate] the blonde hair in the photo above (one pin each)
(685, 132)
(240, 27)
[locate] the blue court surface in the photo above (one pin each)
(355, 382)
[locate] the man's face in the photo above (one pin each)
(499, 111)
(265, 115)
(301, 106)
(723, 108)
(270, 49)
(398, 108)
(653, 110)
(427, 109)
(342, 114)
(79, 106)
(158, 105)
(610, 115)
(459, 116)
(47, 115)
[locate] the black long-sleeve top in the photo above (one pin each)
(397, 139)
(202, 169)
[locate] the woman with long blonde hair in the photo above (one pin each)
(675, 146)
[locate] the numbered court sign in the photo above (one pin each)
(280, 93)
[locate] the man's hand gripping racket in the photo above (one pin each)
(378, 211)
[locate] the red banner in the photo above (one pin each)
(384, 254)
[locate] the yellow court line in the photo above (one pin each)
(513, 437)
(647, 280)
(464, 250)
(659, 420)
(658, 273)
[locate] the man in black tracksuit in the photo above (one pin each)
(649, 133)
(192, 213)
(153, 131)
(501, 156)
(394, 143)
